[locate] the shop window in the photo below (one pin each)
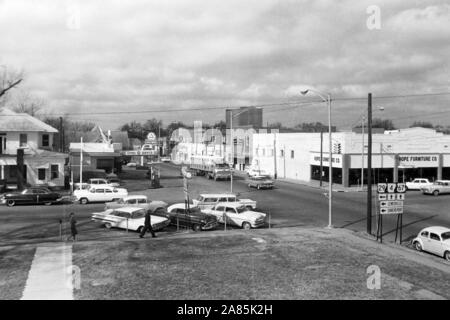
(41, 174)
(23, 139)
(54, 171)
(292, 154)
(45, 140)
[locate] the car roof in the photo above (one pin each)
(137, 196)
(230, 204)
(128, 209)
(436, 229)
(209, 195)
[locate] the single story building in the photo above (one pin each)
(397, 156)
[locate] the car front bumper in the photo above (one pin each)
(210, 225)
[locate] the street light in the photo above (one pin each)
(327, 97)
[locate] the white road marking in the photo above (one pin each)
(50, 276)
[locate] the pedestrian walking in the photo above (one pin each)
(73, 227)
(147, 226)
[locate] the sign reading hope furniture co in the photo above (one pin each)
(418, 160)
(391, 197)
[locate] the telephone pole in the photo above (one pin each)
(369, 164)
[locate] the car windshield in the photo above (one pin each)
(200, 198)
(241, 209)
(445, 236)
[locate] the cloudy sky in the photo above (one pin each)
(155, 56)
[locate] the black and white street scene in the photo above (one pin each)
(224, 150)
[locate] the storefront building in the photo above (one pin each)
(397, 156)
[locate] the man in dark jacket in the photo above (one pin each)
(147, 226)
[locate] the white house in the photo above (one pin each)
(43, 165)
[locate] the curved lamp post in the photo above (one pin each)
(326, 97)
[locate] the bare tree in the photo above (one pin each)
(27, 103)
(8, 80)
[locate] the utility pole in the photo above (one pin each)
(81, 163)
(61, 135)
(362, 154)
(321, 155)
(369, 164)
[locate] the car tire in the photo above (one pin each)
(418, 246)
(48, 203)
(246, 226)
(435, 193)
(196, 227)
(108, 225)
(447, 255)
(84, 201)
(249, 185)
(10, 203)
(139, 230)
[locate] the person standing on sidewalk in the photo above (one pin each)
(147, 226)
(73, 227)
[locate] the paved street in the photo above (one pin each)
(288, 205)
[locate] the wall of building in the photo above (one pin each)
(34, 141)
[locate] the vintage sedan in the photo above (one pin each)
(156, 207)
(434, 240)
(418, 184)
(100, 194)
(129, 218)
(238, 215)
(437, 188)
(34, 195)
(191, 218)
(260, 182)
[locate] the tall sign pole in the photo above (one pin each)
(369, 164)
(81, 163)
(321, 156)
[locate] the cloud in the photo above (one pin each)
(157, 55)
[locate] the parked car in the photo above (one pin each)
(192, 218)
(114, 182)
(130, 218)
(253, 172)
(209, 200)
(260, 182)
(131, 164)
(238, 215)
(139, 201)
(418, 183)
(434, 240)
(84, 185)
(100, 194)
(34, 195)
(165, 159)
(437, 188)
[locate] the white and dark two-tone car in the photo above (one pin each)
(434, 240)
(130, 218)
(140, 201)
(237, 214)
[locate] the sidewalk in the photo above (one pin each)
(312, 183)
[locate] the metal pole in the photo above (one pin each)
(362, 155)
(232, 152)
(81, 163)
(330, 161)
(369, 168)
(321, 155)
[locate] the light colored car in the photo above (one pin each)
(434, 240)
(130, 218)
(437, 188)
(238, 215)
(253, 172)
(165, 159)
(139, 201)
(260, 182)
(131, 164)
(114, 182)
(100, 194)
(98, 182)
(209, 200)
(418, 183)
